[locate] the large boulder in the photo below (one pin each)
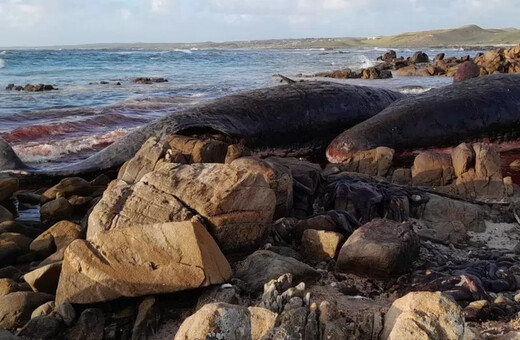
(224, 321)
(237, 203)
(379, 249)
(162, 258)
(263, 266)
(16, 308)
(419, 57)
(432, 169)
(424, 315)
(279, 178)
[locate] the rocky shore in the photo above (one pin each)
(420, 64)
(194, 238)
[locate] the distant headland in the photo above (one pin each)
(467, 36)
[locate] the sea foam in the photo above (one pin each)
(2, 63)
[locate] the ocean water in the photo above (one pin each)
(84, 116)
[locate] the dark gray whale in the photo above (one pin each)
(300, 115)
(476, 109)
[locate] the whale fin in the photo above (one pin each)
(8, 158)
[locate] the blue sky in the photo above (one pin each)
(60, 22)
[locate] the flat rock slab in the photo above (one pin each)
(138, 261)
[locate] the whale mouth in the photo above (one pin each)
(336, 155)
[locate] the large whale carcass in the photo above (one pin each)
(485, 108)
(306, 115)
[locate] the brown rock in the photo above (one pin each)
(515, 164)
(237, 203)
(163, 258)
(432, 169)
(319, 245)
(466, 71)
(407, 71)
(147, 320)
(144, 161)
(16, 308)
(8, 186)
(379, 249)
(485, 180)
(424, 315)
(199, 150)
(58, 209)
(236, 151)
(66, 188)
(277, 176)
(57, 238)
(45, 309)
(463, 158)
(375, 162)
(7, 286)
(44, 279)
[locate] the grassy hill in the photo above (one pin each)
(471, 35)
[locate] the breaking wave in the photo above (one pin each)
(2, 63)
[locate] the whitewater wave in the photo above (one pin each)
(2, 63)
(183, 51)
(45, 152)
(366, 62)
(3, 53)
(413, 89)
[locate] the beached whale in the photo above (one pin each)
(485, 108)
(304, 115)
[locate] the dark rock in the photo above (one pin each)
(224, 293)
(58, 209)
(11, 246)
(10, 272)
(419, 57)
(6, 335)
(379, 249)
(90, 326)
(19, 228)
(263, 266)
(67, 313)
(148, 318)
(143, 80)
(42, 327)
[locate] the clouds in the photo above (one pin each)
(51, 22)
